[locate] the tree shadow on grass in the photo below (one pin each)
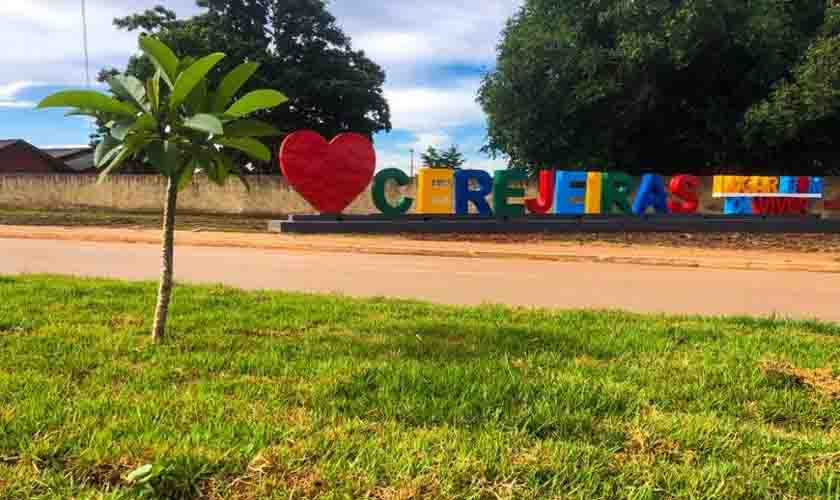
(446, 343)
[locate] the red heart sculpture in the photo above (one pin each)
(328, 175)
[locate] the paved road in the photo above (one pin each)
(450, 280)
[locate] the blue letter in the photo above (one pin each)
(569, 185)
(741, 205)
(464, 195)
(788, 184)
(651, 194)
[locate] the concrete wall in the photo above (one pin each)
(269, 196)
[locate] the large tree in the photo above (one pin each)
(332, 88)
(668, 85)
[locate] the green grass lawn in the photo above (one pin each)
(272, 395)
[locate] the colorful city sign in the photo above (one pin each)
(330, 176)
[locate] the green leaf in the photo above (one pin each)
(171, 158)
(235, 170)
(125, 152)
(197, 100)
(220, 168)
(87, 100)
(130, 88)
(162, 57)
(120, 130)
(232, 83)
(80, 112)
(205, 123)
(243, 179)
(139, 473)
(185, 63)
(251, 147)
(165, 156)
(251, 128)
(191, 77)
(153, 91)
(105, 151)
(256, 101)
(145, 123)
(186, 176)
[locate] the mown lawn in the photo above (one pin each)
(271, 395)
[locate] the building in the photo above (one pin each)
(19, 157)
(79, 160)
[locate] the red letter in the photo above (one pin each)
(803, 184)
(542, 204)
(799, 206)
(685, 188)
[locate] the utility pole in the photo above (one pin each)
(85, 41)
(412, 163)
(87, 62)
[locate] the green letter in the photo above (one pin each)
(502, 192)
(379, 198)
(616, 187)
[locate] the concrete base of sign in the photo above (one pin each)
(439, 224)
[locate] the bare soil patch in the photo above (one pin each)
(823, 381)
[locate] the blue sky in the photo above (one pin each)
(434, 53)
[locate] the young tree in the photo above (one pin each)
(178, 124)
(451, 158)
(332, 87)
(668, 86)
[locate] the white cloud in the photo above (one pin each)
(64, 146)
(425, 139)
(9, 94)
(423, 109)
(417, 43)
(10, 90)
(489, 164)
(42, 39)
(17, 104)
(434, 115)
(389, 159)
(429, 32)
(385, 159)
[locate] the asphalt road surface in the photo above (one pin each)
(802, 295)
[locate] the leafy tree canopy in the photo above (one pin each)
(451, 158)
(332, 88)
(669, 86)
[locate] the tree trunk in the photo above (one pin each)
(165, 290)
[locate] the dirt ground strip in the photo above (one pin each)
(808, 243)
(695, 251)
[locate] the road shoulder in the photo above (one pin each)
(559, 251)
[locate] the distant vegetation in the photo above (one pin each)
(451, 158)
